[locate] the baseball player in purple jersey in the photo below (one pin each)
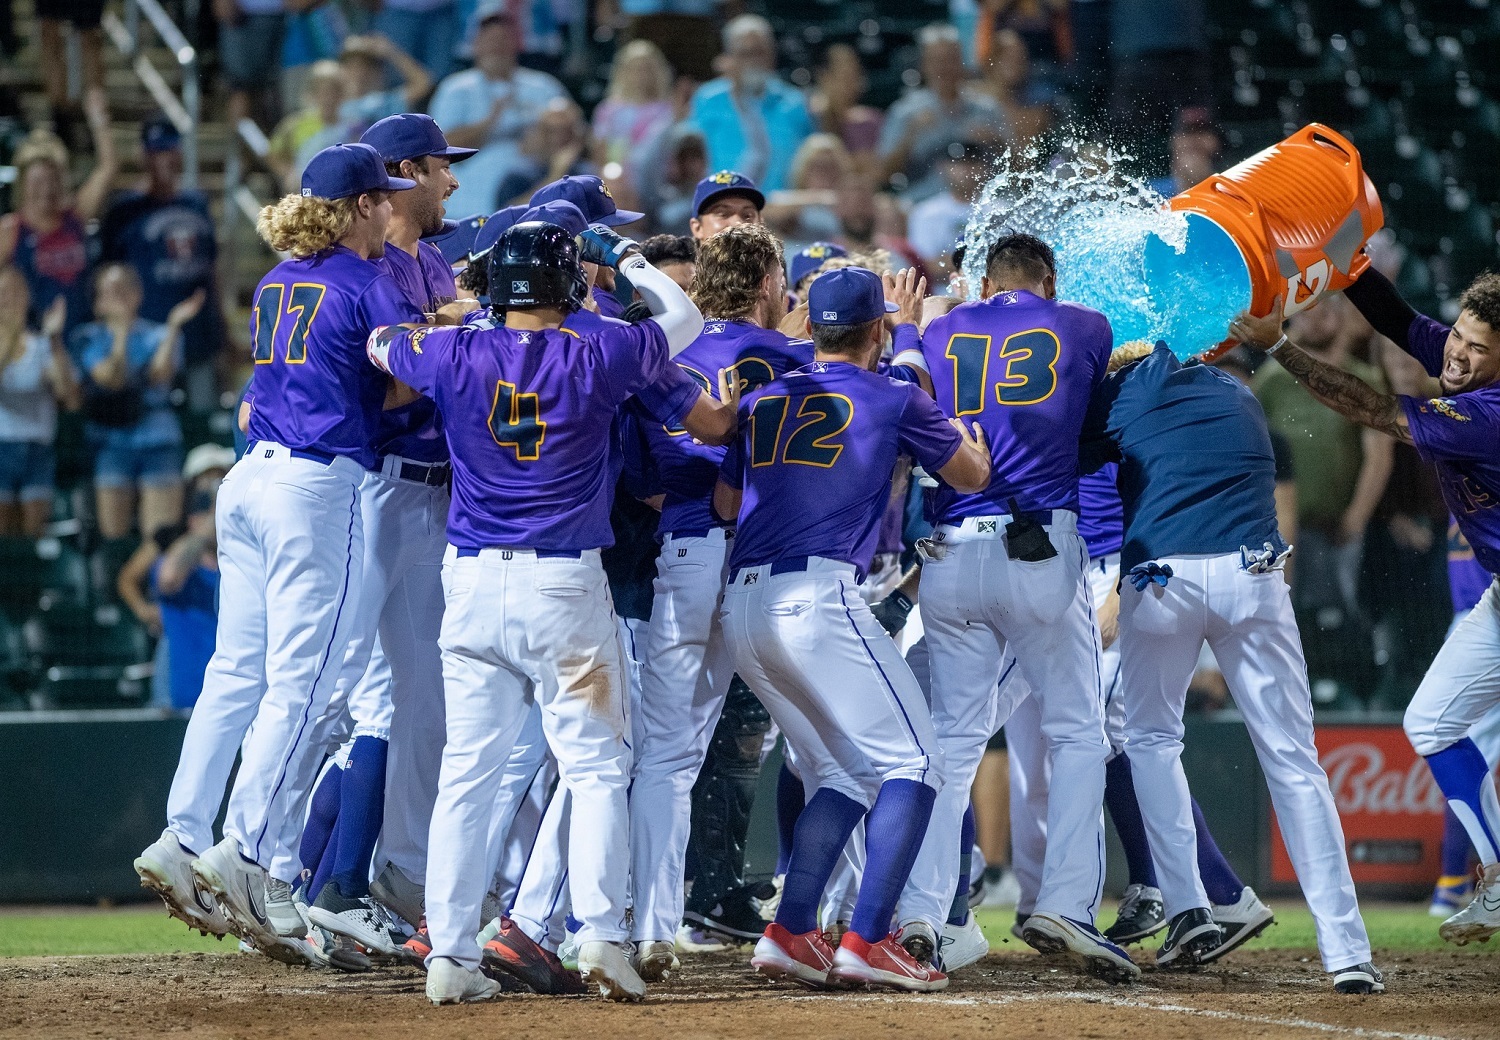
(528, 616)
(1005, 571)
(686, 672)
(291, 542)
(809, 479)
(1458, 433)
(392, 678)
(591, 196)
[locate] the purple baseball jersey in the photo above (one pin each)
(1459, 436)
(1101, 514)
(609, 304)
(314, 388)
(1024, 369)
(1467, 580)
(685, 469)
(415, 431)
(529, 418)
(814, 457)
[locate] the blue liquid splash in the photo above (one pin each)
(1155, 273)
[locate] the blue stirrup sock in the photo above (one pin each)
(1464, 777)
(321, 819)
(361, 812)
(791, 799)
(893, 835)
(958, 911)
(1125, 811)
(821, 833)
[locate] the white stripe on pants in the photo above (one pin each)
(1248, 622)
(516, 628)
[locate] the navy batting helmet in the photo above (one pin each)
(535, 264)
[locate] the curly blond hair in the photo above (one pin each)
(39, 146)
(731, 266)
(304, 225)
(1129, 353)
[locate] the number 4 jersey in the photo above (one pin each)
(1023, 368)
(527, 415)
(315, 390)
(815, 455)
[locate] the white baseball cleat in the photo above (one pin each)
(604, 964)
(962, 944)
(401, 895)
(239, 885)
(1053, 934)
(692, 939)
(655, 959)
(1242, 921)
(1481, 918)
(282, 909)
(166, 868)
(918, 939)
(449, 982)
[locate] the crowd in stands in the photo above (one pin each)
(113, 324)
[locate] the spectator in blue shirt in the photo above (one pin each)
(185, 585)
(166, 234)
(751, 119)
(128, 365)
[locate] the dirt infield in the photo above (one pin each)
(1009, 995)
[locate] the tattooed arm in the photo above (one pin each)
(1346, 394)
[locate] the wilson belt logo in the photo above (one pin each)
(681, 553)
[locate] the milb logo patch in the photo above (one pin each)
(830, 315)
(520, 287)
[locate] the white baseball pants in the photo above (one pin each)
(291, 538)
(1248, 622)
(519, 628)
(977, 604)
(1462, 684)
(685, 675)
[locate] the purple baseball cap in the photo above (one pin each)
(411, 135)
(499, 222)
(807, 260)
(848, 296)
(341, 171)
(564, 214)
(725, 182)
(591, 196)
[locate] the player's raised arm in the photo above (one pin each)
(671, 308)
(908, 291)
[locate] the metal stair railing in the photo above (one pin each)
(182, 108)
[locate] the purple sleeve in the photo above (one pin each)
(383, 303)
(671, 395)
(1452, 428)
(609, 304)
(732, 469)
(923, 433)
(634, 356)
(414, 356)
(1424, 341)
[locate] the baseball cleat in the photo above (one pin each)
(338, 951)
(960, 946)
(768, 906)
(655, 959)
(282, 910)
(1481, 918)
(737, 915)
(166, 868)
(604, 964)
(1361, 978)
(918, 939)
(1451, 894)
(805, 958)
(1055, 934)
(1003, 889)
(886, 965)
(239, 885)
(449, 982)
(514, 953)
(1018, 926)
(399, 894)
(1192, 935)
(692, 939)
(418, 948)
(1141, 915)
(353, 917)
(1242, 921)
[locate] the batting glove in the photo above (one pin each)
(604, 246)
(1143, 574)
(892, 611)
(1267, 559)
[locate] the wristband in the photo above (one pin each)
(1274, 347)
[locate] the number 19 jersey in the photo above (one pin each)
(315, 390)
(1023, 368)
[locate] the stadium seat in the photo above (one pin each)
(104, 567)
(41, 570)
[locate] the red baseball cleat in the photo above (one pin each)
(886, 964)
(804, 958)
(513, 953)
(416, 949)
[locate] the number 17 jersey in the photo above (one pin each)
(1023, 368)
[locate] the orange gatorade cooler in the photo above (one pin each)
(1290, 221)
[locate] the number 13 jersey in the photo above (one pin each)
(1023, 368)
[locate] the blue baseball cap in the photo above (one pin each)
(810, 259)
(564, 214)
(411, 135)
(499, 222)
(725, 182)
(158, 134)
(591, 196)
(848, 296)
(456, 239)
(344, 170)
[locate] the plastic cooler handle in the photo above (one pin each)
(1318, 134)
